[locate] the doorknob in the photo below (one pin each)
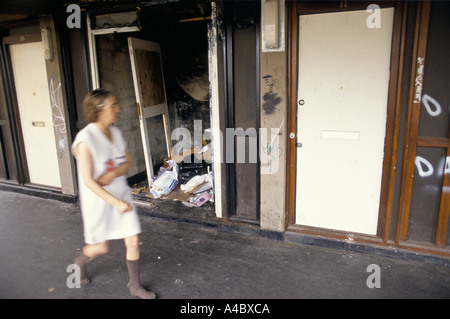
(299, 144)
(301, 102)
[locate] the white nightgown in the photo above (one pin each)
(102, 221)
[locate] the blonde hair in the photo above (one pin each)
(94, 102)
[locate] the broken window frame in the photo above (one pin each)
(92, 46)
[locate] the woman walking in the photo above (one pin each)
(105, 197)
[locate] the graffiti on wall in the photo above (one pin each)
(59, 123)
(418, 82)
(423, 166)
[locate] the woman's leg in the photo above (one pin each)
(89, 252)
(133, 264)
(133, 250)
(94, 250)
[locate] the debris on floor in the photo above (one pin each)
(137, 189)
(188, 179)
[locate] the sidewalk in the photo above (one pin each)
(39, 239)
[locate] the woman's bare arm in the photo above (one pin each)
(85, 160)
(107, 178)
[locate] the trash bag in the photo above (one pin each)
(190, 168)
(186, 173)
(166, 181)
(197, 181)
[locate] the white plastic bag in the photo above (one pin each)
(196, 181)
(166, 181)
(193, 183)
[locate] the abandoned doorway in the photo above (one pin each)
(181, 33)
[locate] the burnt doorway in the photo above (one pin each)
(181, 32)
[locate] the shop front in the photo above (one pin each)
(321, 122)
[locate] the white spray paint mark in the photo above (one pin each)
(59, 123)
(419, 80)
(427, 100)
(420, 161)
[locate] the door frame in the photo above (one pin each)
(392, 124)
(17, 149)
(228, 98)
(413, 140)
(21, 165)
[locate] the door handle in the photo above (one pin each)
(38, 123)
(299, 144)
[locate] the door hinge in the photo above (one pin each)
(139, 109)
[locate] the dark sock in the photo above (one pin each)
(134, 285)
(82, 261)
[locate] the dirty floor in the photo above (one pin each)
(39, 239)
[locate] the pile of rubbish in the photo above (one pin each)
(187, 179)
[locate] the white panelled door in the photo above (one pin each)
(35, 109)
(343, 80)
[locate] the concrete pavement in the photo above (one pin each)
(39, 239)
